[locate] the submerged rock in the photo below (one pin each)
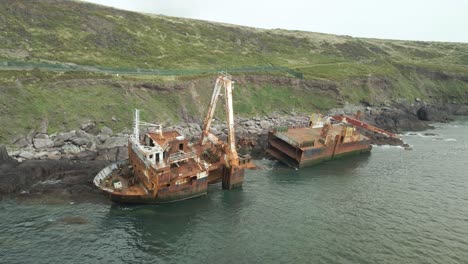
(73, 220)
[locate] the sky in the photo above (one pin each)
(429, 20)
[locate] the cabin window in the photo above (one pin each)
(157, 157)
(181, 146)
(151, 157)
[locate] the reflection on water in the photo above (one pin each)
(393, 206)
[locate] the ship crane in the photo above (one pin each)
(358, 123)
(233, 173)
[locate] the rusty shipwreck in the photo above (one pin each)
(324, 139)
(163, 166)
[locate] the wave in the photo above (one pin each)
(450, 139)
(388, 147)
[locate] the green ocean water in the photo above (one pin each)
(392, 206)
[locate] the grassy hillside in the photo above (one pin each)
(72, 35)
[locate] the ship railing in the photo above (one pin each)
(181, 156)
(106, 172)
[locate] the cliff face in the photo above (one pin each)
(68, 62)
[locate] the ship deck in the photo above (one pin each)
(127, 188)
(301, 134)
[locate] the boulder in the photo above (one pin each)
(195, 128)
(250, 123)
(214, 131)
(21, 142)
(32, 133)
(70, 149)
(26, 155)
(81, 141)
(107, 154)
(265, 124)
(88, 126)
(122, 153)
(106, 131)
(113, 142)
(86, 155)
(65, 136)
(91, 139)
(103, 138)
(41, 155)
(462, 110)
(41, 135)
(54, 155)
(40, 143)
(429, 113)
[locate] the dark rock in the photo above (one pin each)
(462, 110)
(5, 159)
(86, 155)
(431, 113)
(63, 180)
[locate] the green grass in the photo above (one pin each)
(336, 69)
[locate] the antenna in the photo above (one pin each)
(136, 131)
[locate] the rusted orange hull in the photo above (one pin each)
(164, 195)
(298, 157)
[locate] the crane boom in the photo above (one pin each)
(359, 123)
(229, 148)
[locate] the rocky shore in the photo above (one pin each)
(63, 165)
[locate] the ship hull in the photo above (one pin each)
(172, 193)
(297, 157)
(164, 195)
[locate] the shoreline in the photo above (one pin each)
(63, 167)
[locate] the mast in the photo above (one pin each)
(136, 130)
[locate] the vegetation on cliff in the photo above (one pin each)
(313, 70)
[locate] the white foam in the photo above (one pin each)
(49, 182)
(388, 147)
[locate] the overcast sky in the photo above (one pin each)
(445, 20)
